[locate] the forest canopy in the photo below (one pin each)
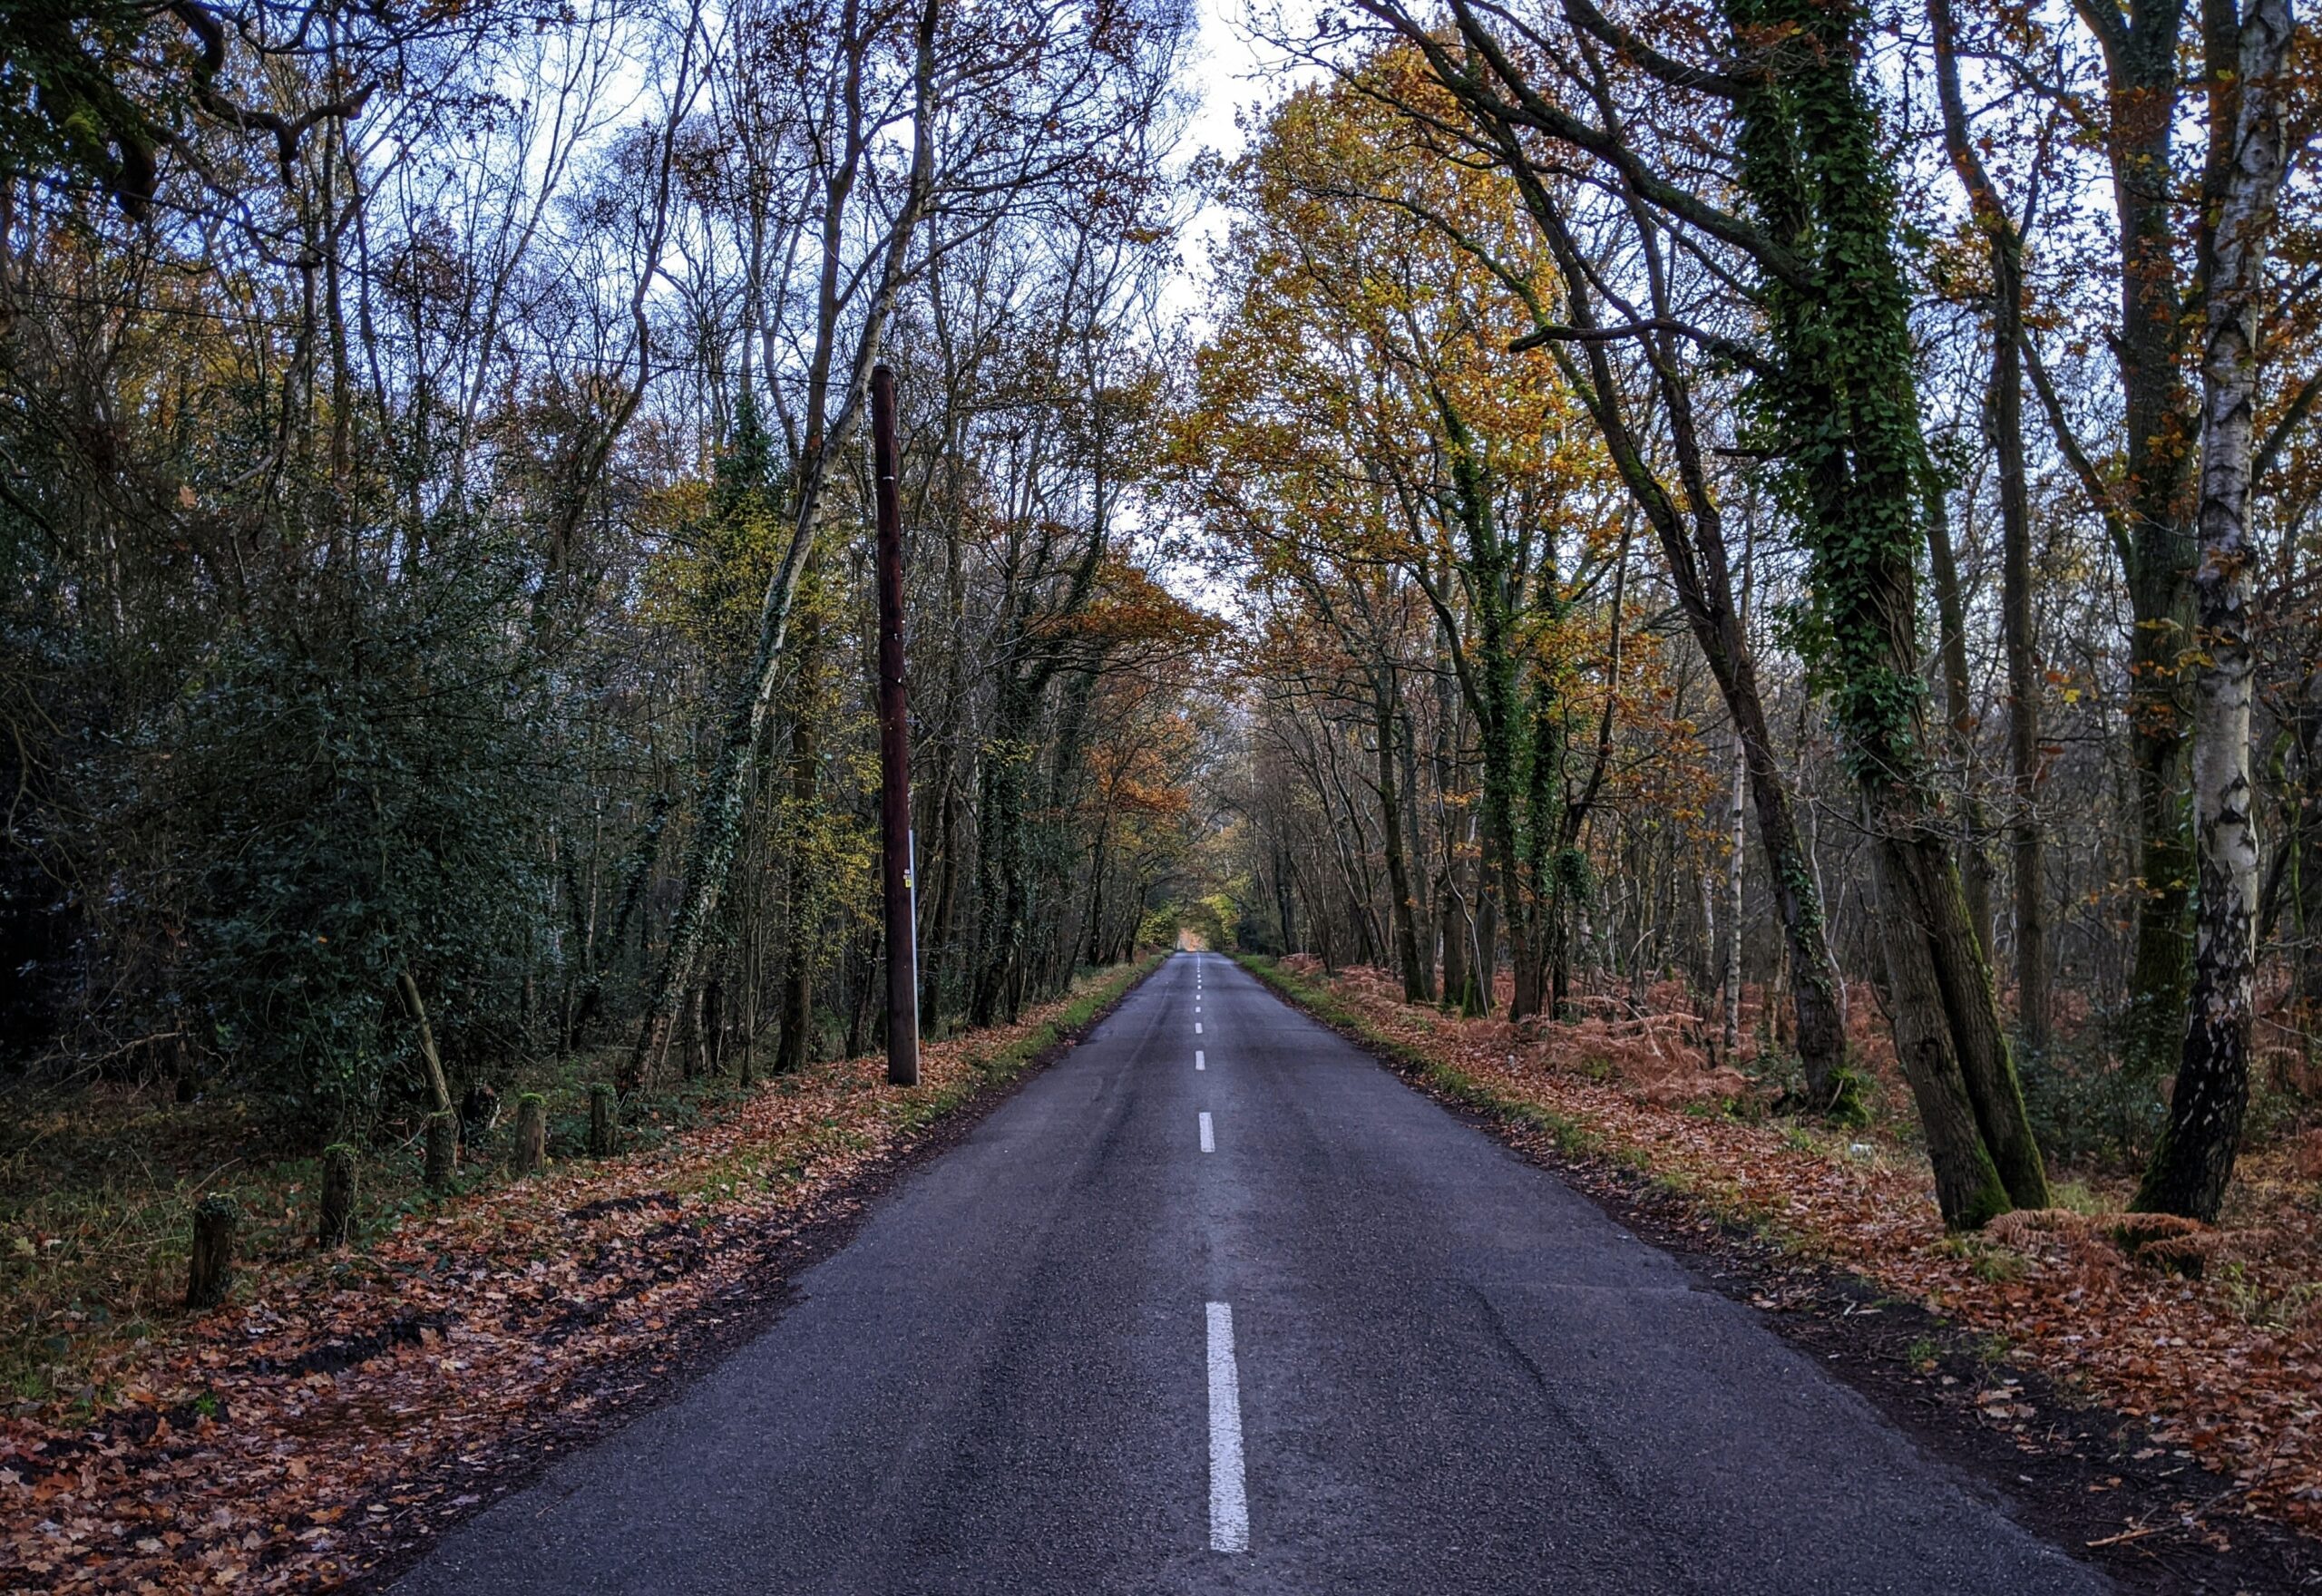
(412, 418)
(1802, 508)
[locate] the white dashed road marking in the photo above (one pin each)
(1229, 1504)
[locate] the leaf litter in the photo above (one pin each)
(356, 1403)
(2212, 1336)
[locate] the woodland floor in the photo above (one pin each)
(2162, 1406)
(344, 1407)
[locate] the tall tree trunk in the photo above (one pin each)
(1483, 975)
(1458, 985)
(1414, 849)
(1706, 967)
(1843, 395)
(802, 933)
(1542, 952)
(1495, 711)
(2194, 1159)
(1286, 894)
(1000, 852)
(1462, 987)
(1388, 706)
(2142, 49)
(2148, 512)
(2026, 843)
(1959, 706)
(1734, 921)
(2296, 885)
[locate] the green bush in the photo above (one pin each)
(2087, 1109)
(364, 770)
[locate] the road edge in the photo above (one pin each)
(628, 1387)
(1879, 1356)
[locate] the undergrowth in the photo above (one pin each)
(97, 1183)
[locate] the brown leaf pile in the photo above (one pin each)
(294, 1439)
(2227, 1363)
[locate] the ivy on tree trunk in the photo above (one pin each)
(1839, 407)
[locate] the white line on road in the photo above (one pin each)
(1208, 1133)
(1196, 1028)
(1201, 1060)
(1229, 1505)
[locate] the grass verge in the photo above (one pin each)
(2209, 1337)
(345, 1405)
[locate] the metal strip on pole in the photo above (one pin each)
(894, 751)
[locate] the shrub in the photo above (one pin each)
(361, 771)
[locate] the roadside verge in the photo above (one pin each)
(2166, 1426)
(331, 1425)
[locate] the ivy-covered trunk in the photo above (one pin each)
(2194, 1158)
(1841, 407)
(1417, 984)
(1495, 710)
(2141, 47)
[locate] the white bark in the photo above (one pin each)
(2195, 1158)
(2227, 838)
(1734, 911)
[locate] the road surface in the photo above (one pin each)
(1218, 1304)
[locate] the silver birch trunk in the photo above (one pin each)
(2194, 1158)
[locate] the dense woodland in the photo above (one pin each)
(1762, 510)
(436, 522)
(1805, 501)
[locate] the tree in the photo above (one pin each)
(1839, 410)
(2249, 100)
(2004, 243)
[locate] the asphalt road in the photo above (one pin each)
(1327, 1338)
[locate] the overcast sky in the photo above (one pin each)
(1232, 73)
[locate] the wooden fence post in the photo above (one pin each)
(531, 1131)
(211, 1271)
(604, 1124)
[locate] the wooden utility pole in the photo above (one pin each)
(894, 751)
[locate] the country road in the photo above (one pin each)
(1218, 1304)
